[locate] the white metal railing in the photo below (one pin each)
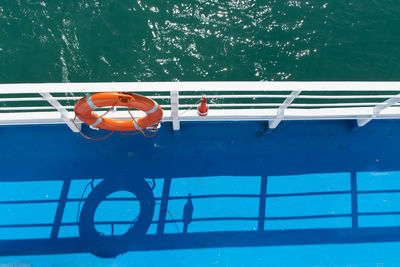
(53, 103)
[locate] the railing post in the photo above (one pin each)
(378, 109)
(175, 110)
(162, 217)
(263, 200)
(60, 209)
(280, 114)
(63, 112)
(354, 200)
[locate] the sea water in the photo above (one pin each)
(198, 40)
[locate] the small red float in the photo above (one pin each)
(202, 109)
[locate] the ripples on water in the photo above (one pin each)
(148, 40)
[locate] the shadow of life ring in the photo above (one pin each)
(112, 246)
(85, 106)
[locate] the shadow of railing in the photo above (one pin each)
(173, 213)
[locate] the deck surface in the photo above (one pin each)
(222, 194)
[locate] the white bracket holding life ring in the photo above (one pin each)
(64, 115)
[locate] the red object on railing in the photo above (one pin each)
(202, 109)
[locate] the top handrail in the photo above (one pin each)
(358, 100)
(22, 88)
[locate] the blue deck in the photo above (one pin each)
(312, 193)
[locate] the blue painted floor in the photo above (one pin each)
(222, 194)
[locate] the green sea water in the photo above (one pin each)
(198, 40)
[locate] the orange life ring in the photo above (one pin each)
(85, 106)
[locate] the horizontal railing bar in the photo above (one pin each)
(197, 86)
(21, 99)
(267, 105)
(51, 108)
(75, 98)
(343, 96)
(52, 117)
(64, 98)
(284, 96)
(232, 96)
(279, 104)
(79, 97)
(27, 108)
(236, 105)
(335, 105)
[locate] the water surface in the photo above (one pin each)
(197, 40)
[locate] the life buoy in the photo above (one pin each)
(85, 106)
